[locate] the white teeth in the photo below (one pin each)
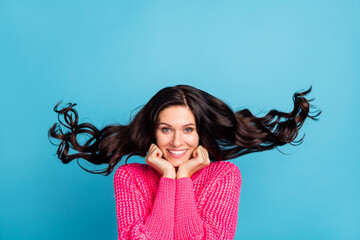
(177, 152)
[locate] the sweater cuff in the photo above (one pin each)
(160, 222)
(187, 219)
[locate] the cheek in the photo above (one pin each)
(161, 139)
(193, 140)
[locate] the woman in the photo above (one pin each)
(185, 190)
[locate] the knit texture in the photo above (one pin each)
(204, 206)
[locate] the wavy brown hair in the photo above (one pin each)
(224, 133)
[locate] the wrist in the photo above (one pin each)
(171, 175)
(181, 174)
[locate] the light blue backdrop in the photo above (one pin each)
(109, 57)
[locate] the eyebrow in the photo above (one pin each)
(183, 125)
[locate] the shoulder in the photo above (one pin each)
(220, 176)
(129, 170)
(223, 168)
(225, 171)
(134, 171)
(217, 172)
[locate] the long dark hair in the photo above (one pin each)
(224, 133)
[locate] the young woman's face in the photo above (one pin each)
(176, 134)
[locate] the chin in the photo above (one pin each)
(177, 163)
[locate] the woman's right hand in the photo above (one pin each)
(155, 160)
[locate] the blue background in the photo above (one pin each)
(110, 57)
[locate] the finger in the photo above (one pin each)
(203, 154)
(158, 152)
(151, 151)
(206, 153)
(195, 153)
(155, 150)
(151, 148)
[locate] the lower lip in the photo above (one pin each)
(177, 155)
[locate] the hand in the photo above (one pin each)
(199, 161)
(155, 160)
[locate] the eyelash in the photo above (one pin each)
(164, 130)
(191, 129)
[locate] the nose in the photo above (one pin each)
(177, 139)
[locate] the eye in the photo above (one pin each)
(189, 129)
(165, 129)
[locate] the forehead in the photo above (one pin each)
(176, 115)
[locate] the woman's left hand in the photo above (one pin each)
(199, 161)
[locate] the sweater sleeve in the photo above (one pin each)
(216, 218)
(135, 221)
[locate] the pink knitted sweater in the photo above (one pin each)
(204, 206)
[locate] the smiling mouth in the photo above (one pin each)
(177, 154)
